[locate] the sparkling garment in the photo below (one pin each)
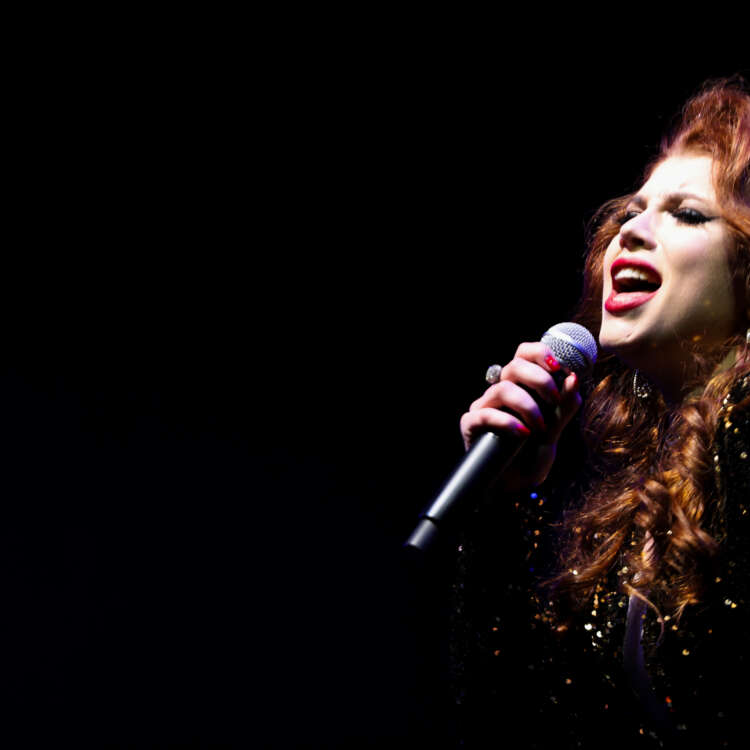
(611, 680)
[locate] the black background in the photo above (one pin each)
(250, 294)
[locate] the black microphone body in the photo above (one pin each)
(575, 349)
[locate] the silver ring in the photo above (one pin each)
(493, 374)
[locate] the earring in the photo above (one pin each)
(641, 387)
(747, 336)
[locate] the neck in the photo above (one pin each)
(672, 382)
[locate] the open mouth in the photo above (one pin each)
(633, 284)
(635, 279)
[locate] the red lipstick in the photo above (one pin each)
(622, 301)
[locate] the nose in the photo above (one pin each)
(637, 232)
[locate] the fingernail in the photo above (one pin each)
(523, 430)
(552, 363)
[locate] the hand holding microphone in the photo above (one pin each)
(511, 431)
(535, 396)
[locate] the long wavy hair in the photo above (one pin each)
(650, 499)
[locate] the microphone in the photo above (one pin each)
(575, 349)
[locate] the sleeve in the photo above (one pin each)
(732, 472)
(732, 459)
(519, 671)
(511, 671)
(701, 663)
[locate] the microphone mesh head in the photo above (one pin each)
(573, 346)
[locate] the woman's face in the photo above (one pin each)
(666, 274)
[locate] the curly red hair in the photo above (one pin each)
(651, 496)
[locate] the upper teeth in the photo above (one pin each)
(632, 273)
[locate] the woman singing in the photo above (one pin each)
(616, 612)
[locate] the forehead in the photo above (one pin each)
(689, 173)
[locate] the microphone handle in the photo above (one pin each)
(490, 455)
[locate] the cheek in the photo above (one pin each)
(703, 264)
(706, 286)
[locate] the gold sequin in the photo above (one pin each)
(602, 635)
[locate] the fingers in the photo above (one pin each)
(478, 421)
(539, 353)
(534, 376)
(510, 395)
(530, 369)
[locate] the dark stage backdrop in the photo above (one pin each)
(250, 301)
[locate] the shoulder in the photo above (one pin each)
(733, 428)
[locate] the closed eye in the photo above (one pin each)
(690, 216)
(626, 216)
(683, 215)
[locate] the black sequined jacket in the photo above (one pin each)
(604, 682)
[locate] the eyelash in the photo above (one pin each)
(690, 216)
(684, 215)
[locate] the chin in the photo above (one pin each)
(623, 341)
(615, 334)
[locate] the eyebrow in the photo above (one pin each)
(639, 200)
